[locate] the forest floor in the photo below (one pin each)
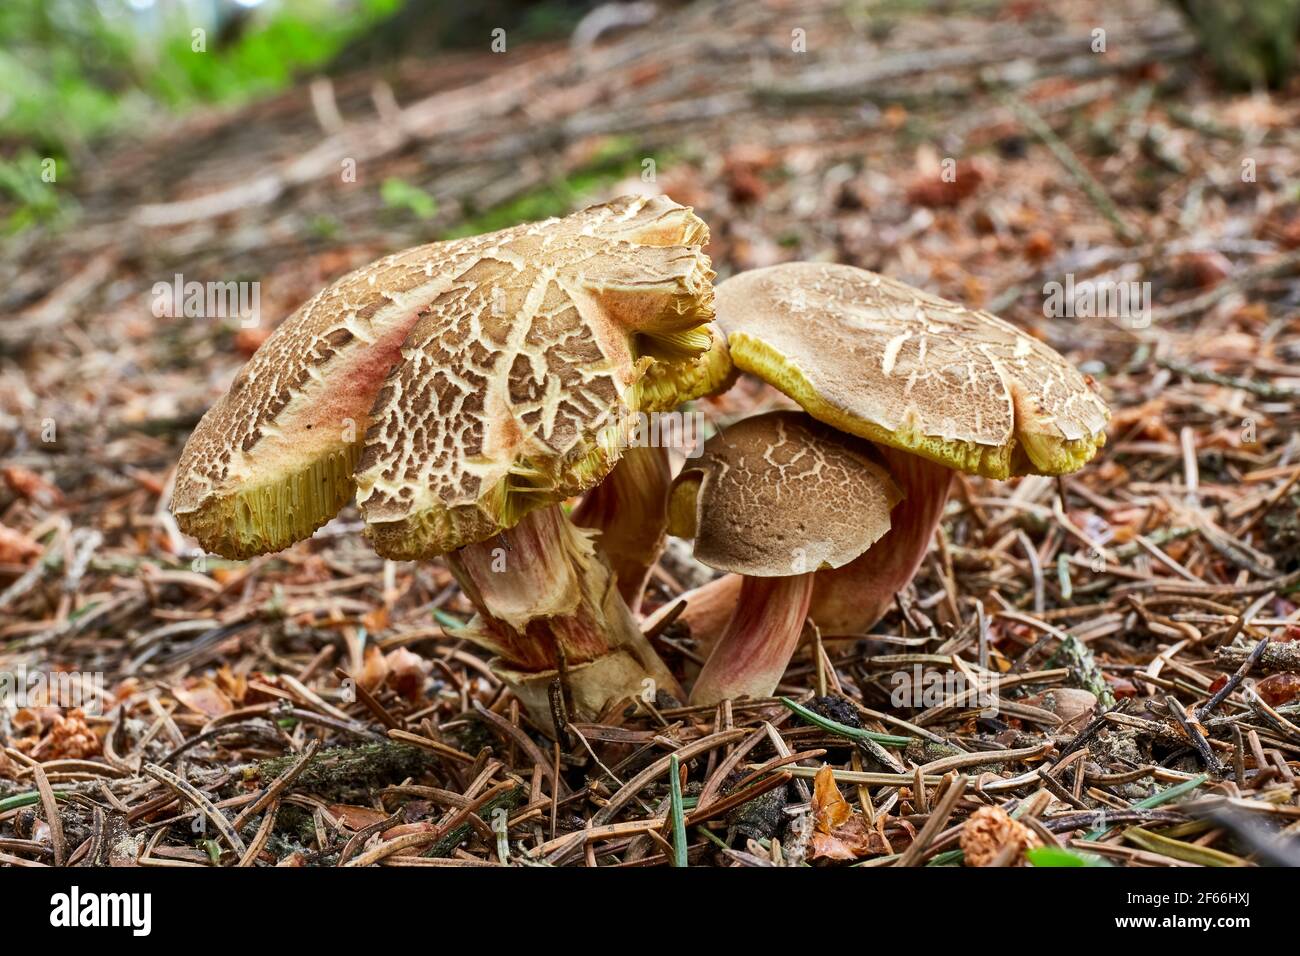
(1160, 579)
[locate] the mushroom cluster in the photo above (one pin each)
(917, 388)
(462, 392)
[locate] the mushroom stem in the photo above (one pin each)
(759, 640)
(630, 510)
(548, 607)
(851, 599)
(708, 608)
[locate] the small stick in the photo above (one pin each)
(938, 820)
(1223, 692)
(259, 839)
(1065, 156)
(368, 699)
(1197, 738)
(277, 787)
(188, 791)
(51, 814)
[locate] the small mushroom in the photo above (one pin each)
(464, 390)
(775, 498)
(937, 386)
(934, 386)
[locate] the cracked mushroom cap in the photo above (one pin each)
(780, 494)
(519, 386)
(511, 356)
(879, 359)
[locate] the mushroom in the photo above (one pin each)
(486, 427)
(630, 507)
(774, 498)
(464, 390)
(936, 387)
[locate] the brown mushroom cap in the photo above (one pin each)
(781, 494)
(879, 359)
(517, 384)
(274, 459)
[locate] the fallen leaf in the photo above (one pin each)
(376, 620)
(28, 484)
(852, 840)
(406, 673)
(830, 809)
(16, 547)
(374, 669)
(355, 817)
(946, 186)
(234, 685)
(204, 697)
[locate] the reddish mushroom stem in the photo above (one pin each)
(630, 510)
(548, 607)
(526, 583)
(760, 638)
(851, 599)
(847, 600)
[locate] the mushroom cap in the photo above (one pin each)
(519, 384)
(780, 494)
(877, 358)
(274, 458)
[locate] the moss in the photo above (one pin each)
(339, 771)
(1282, 532)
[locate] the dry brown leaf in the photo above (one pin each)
(35, 719)
(839, 833)
(936, 190)
(376, 620)
(234, 685)
(374, 669)
(355, 817)
(1143, 422)
(852, 840)
(26, 483)
(204, 697)
(828, 847)
(16, 547)
(406, 673)
(829, 807)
